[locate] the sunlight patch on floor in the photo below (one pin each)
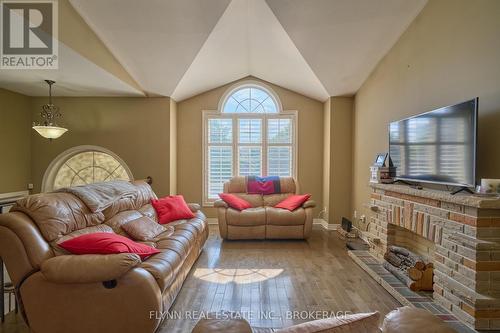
(236, 275)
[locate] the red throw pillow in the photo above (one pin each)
(293, 202)
(235, 201)
(172, 208)
(106, 243)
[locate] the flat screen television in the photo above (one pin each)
(437, 146)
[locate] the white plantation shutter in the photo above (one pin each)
(250, 161)
(279, 161)
(220, 164)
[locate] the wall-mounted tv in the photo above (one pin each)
(437, 146)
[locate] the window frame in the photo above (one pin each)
(264, 144)
(56, 164)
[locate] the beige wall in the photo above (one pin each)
(339, 182)
(15, 143)
(449, 54)
(173, 147)
(189, 138)
(326, 160)
(136, 129)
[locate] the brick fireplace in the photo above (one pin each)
(459, 234)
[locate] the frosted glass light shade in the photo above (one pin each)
(50, 132)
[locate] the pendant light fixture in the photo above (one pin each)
(48, 127)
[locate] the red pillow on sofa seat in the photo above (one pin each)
(235, 201)
(172, 208)
(106, 243)
(293, 202)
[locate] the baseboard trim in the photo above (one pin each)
(316, 223)
(324, 224)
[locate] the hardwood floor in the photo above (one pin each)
(271, 283)
(266, 280)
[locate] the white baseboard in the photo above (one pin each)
(316, 223)
(324, 224)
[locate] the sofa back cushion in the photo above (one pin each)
(272, 200)
(237, 185)
(58, 214)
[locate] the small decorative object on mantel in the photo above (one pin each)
(382, 170)
(48, 127)
(488, 188)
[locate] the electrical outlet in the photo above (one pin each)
(30, 186)
(355, 214)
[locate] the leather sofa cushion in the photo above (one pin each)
(174, 249)
(143, 229)
(413, 320)
(58, 214)
(278, 216)
(149, 211)
(253, 199)
(273, 199)
(238, 185)
(88, 268)
(247, 217)
(354, 323)
(116, 222)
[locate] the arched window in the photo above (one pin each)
(249, 134)
(250, 99)
(84, 165)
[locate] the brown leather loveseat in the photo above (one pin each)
(263, 221)
(60, 292)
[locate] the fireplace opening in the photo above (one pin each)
(411, 269)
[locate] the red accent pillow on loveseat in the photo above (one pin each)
(293, 202)
(172, 208)
(235, 201)
(106, 243)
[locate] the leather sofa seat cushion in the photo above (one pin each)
(247, 217)
(143, 229)
(57, 214)
(413, 320)
(164, 267)
(90, 230)
(278, 216)
(174, 250)
(272, 200)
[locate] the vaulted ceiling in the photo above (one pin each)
(180, 48)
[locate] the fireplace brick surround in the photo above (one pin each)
(459, 234)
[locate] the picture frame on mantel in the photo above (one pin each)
(380, 159)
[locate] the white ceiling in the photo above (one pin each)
(76, 76)
(343, 40)
(154, 40)
(249, 40)
(181, 48)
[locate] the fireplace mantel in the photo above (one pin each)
(460, 234)
(459, 199)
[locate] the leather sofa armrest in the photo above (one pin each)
(309, 204)
(88, 268)
(194, 207)
(220, 204)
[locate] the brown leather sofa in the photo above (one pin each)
(60, 292)
(263, 221)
